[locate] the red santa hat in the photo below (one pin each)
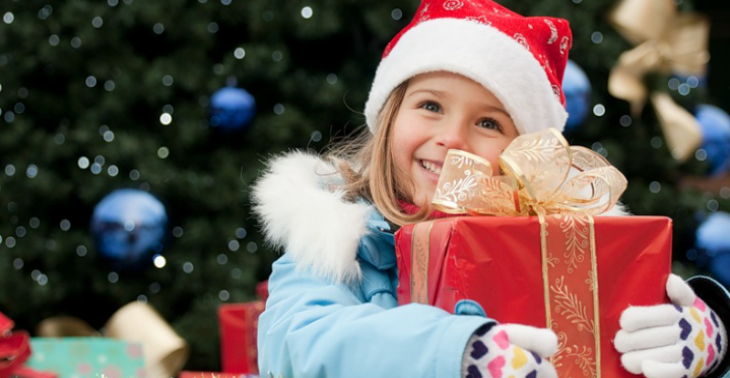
(519, 59)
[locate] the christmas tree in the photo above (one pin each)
(98, 96)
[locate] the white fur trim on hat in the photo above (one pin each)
(481, 53)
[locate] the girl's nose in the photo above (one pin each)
(453, 135)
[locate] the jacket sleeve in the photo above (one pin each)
(312, 328)
(718, 298)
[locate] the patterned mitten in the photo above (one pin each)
(510, 351)
(686, 339)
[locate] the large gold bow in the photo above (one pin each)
(543, 175)
(667, 42)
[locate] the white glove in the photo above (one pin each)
(686, 339)
(510, 350)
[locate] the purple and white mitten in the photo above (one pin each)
(510, 351)
(684, 339)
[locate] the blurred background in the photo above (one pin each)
(131, 131)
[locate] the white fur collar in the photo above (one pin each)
(617, 210)
(317, 226)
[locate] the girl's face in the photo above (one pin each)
(440, 111)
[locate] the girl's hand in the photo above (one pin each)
(686, 339)
(510, 350)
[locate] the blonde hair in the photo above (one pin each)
(367, 165)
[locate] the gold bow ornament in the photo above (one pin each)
(666, 42)
(165, 352)
(543, 175)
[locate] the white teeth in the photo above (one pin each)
(431, 167)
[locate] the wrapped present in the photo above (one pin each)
(88, 357)
(205, 374)
(579, 291)
(164, 352)
(15, 350)
(543, 260)
(14, 347)
(262, 290)
(238, 328)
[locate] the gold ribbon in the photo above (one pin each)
(666, 42)
(420, 253)
(681, 129)
(570, 283)
(164, 351)
(543, 175)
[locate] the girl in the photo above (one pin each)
(466, 74)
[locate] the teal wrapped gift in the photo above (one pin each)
(81, 357)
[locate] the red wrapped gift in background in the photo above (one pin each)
(504, 265)
(14, 347)
(15, 351)
(238, 327)
(204, 374)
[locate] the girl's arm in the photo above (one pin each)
(717, 298)
(312, 328)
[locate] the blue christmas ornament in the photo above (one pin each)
(715, 125)
(127, 225)
(712, 237)
(232, 109)
(577, 91)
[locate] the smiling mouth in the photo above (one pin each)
(431, 167)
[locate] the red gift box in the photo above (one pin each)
(520, 270)
(205, 374)
(238, 327)
(262, 290)
(14, 351)
(14, 347)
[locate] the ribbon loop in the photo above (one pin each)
(665, 42)
(466, 185)
(527, 157)
(641, 20)
(543, 175)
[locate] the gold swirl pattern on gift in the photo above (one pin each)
(580, 356)
(568, 305)
(577, 233)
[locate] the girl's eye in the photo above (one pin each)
(431, 107)
(489, 123)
